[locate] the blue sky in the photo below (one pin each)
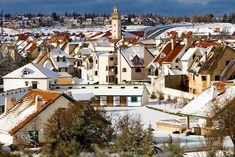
(163, 7)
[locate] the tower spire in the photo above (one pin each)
(116, 23)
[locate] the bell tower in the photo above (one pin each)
(116, 23)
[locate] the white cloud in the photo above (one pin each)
(200, 2)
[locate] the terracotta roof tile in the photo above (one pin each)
(23, 37)
(169, 53)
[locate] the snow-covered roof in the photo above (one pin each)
(30, 71)
(64, 74)
(85, 51)
(17, 93)
(131, 52)
(148, 41)
(202, 105)
(56, 52)
(188, 54)
(154, 51)
(25, 110)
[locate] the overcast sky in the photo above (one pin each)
(163, 7)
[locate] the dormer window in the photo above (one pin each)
(136, 60)
(64, 59)
(25, 72)
(57, 58)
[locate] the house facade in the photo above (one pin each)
(216, 65)
(29, 115)
(30, 75)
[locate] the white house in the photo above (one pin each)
(30, 75)
(108, 95)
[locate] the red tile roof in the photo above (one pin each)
(172, 34)
(170, 54)
(205, 44)
(188, 34)
(32, 48)
(23, 37)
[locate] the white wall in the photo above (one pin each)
(10, 84)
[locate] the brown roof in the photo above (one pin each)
(170, 54)
(213, 58)
(188, 34)
(33, 47)
(172, 34)
(205, 44)
(221, 86)
(56, 38)
(23, 37)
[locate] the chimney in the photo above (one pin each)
(173, 42)
(38, 102)
(10, 102)
(213, 92)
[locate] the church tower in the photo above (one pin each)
(116, 23)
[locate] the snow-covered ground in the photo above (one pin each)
(167, 106)
(148, 116)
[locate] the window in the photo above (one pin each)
(64, 59)
(26, 83)
(116, 70)
(111, 78)
(57, 58)
(96, 73)
(1, 109)
(66, 69)
(137, 70)
(107, 68)
(194, 55)
(193, 76)
(217, 77)
(111, 58)
(134, 99)
(33, 136)
(107, 78)
(203, 78)
(35, 86)
(124, 70)
(25, 72)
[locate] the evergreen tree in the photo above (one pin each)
(81, 125)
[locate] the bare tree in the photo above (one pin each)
(220, 124)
